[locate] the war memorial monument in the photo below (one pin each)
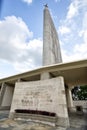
(44, 94)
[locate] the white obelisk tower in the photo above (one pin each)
(51, 46)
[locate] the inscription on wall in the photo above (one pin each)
(47, 95)
(37, 97)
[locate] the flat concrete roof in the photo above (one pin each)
(74, 73)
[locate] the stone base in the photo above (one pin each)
(4, 107)
(63, 122)
(11, 115)
(34, 117)
(55, 121)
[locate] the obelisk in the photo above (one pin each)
(51, 46)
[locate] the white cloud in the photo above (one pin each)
(64, 30)
(74, 7)
(79, 52)
(27, 1)
(73, 10)
(16, 46)
(81, 33)
(75, 48)
(57, 0)
(79, 49)
(32, 57)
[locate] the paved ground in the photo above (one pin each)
(8, 124)
(22, 125)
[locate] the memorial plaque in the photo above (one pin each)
(39, 95)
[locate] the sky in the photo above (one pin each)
(21, 32)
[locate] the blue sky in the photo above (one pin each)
(21, 32)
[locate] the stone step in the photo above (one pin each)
(36, 118)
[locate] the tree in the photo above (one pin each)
(79, 93)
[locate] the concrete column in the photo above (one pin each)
(19, 80)
(3, 88)
(69, 98)
(45, 75)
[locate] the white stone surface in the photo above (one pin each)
(46, 95)
(82, 103)
(69, 98)
(7, 99)
(51, 47)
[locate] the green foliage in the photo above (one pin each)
(82, 93)
(79, 93)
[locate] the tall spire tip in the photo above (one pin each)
(46, 5)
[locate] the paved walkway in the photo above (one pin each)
(8, 124)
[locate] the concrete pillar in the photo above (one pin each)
(3, 88)
(69, 98)
(19, 80)
(45, 75)
(6, 95)
(63, 118)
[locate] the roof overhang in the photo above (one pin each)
(74, 73)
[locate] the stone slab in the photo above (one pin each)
(46, 95)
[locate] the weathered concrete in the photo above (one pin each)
(2, 91)
(81, 103)
(51, 47)
(8, 94)
(46, 95)
(45, 75)
(74, 73)
(69, 98)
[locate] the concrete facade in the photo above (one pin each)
(2, 91)
(40, 96)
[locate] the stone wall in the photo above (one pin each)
(82, 103)
(47, 95)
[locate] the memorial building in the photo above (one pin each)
(44, 94)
